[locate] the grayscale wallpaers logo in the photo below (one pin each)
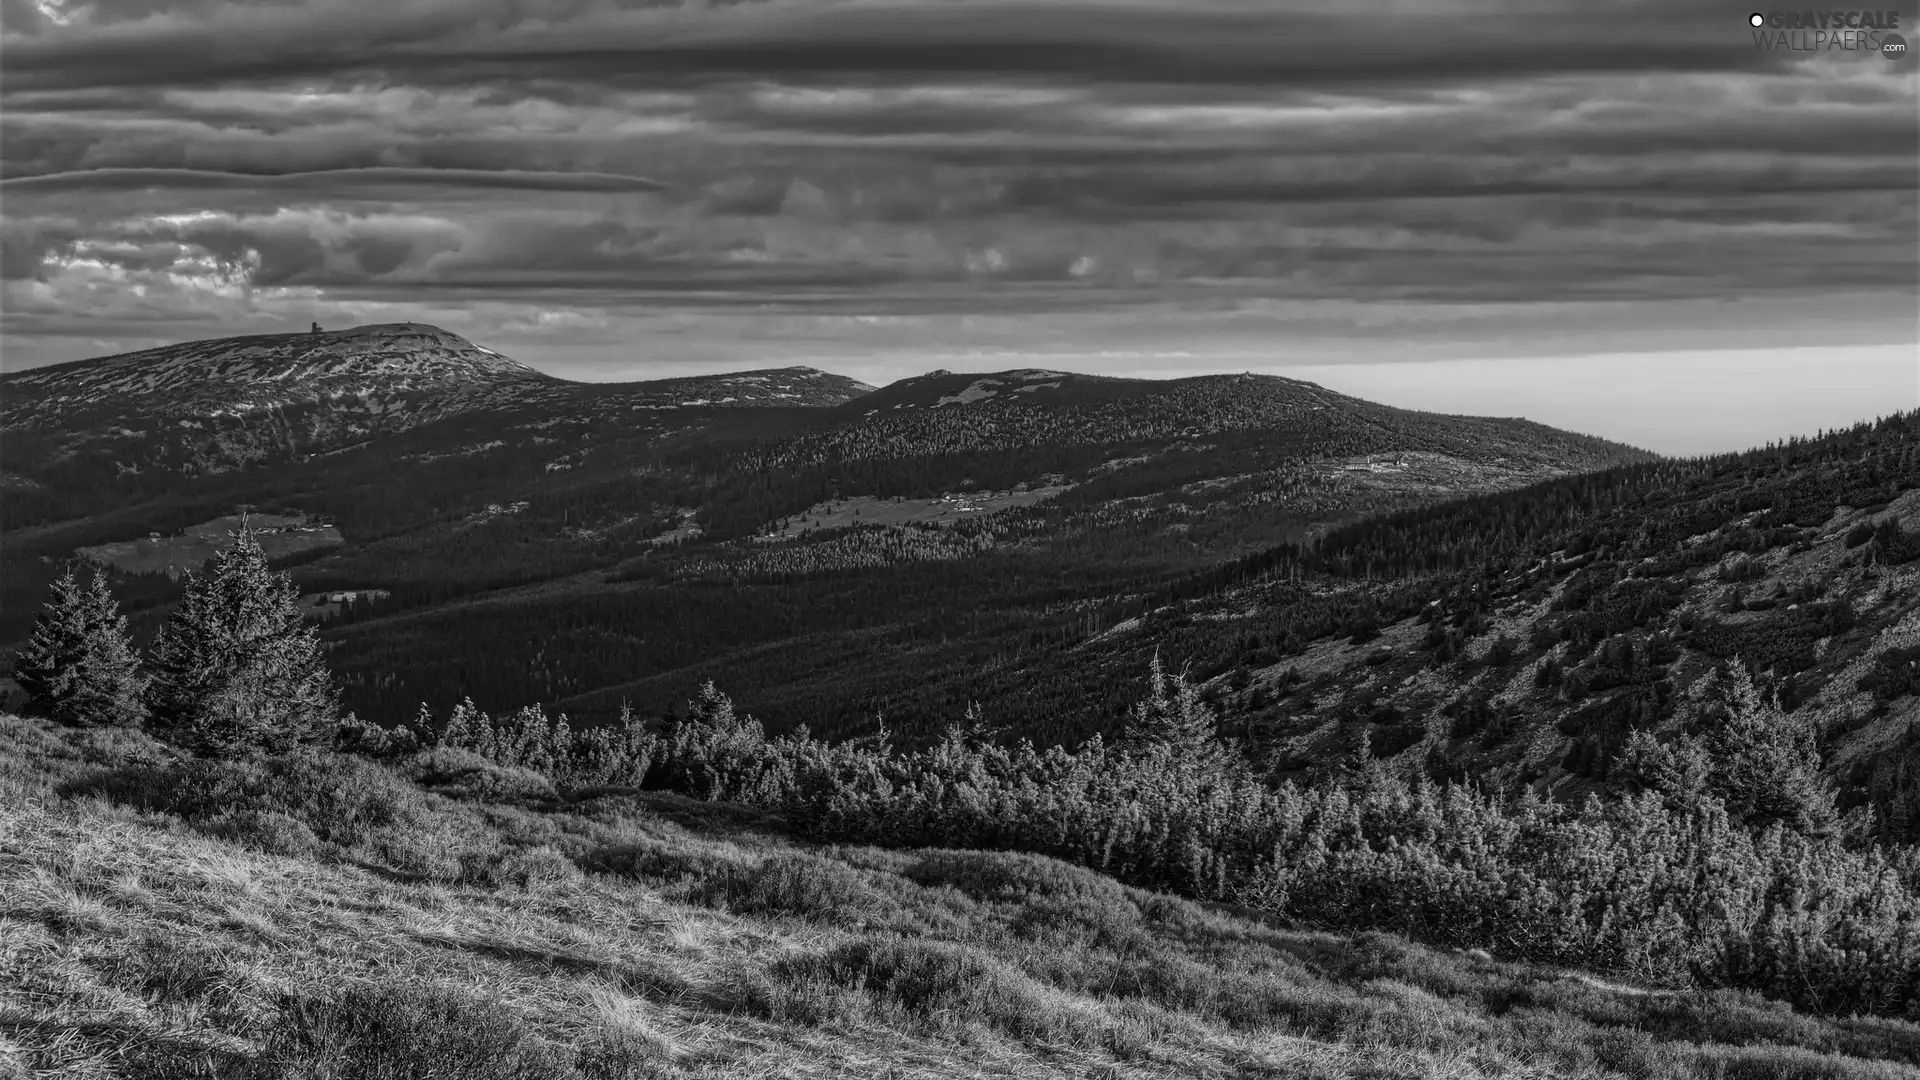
(1826, 31)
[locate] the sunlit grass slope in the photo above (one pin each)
(451, 918)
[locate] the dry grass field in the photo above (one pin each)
(870, 510)
(279, 535)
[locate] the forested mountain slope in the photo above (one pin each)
(1539, 635)
(958, 414)
(592, 535)
(820, 559)
(142, 423)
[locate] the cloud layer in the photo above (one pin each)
(555, 170)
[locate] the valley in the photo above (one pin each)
(950, 508)
(1460, 596)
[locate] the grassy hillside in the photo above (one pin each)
(167, 919)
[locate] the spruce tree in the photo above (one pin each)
(79, 668)
(1766, 764)
(1173, 716)
(237, 669)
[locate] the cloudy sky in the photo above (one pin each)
(1481, 206)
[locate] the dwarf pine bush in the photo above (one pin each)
(714, 753)
(1629, 885)
(1718, 873)
(619, 755)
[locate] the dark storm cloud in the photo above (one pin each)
(35, 146)
(327, 182)
(974, 132)
(229, 159)
(1267, 45)
(1422, 178)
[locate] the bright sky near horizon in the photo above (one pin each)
(1680, 403)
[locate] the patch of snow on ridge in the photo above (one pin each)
(981, 390)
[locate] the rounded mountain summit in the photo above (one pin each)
(210, 406)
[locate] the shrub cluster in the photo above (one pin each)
(392, 1031)
(933, 986)
(1895, 674)
(312, 802)
(806, 886)
(709, 752)
(618, 755)
(1719, 890)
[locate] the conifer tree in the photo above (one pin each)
(1173, 716)
(237, 669)
(1766, 764)
(79, 668)
(712, 710)
(707, 749)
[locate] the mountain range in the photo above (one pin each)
(1464, 596)
(208, 407)
(405, 439)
